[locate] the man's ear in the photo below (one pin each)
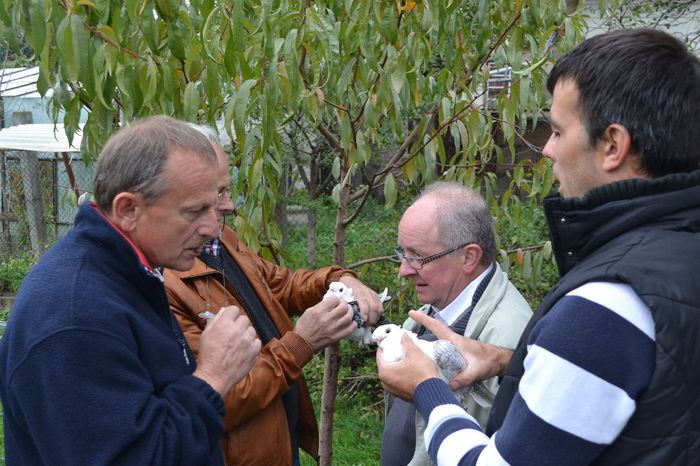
(126, 207)
(472, 258)
(617, 148)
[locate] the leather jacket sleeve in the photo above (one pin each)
(283, 293)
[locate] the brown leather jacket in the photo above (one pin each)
(255, 424)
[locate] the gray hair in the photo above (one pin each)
(208, 131)
(463, 217)
(133, 159)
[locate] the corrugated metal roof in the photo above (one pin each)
(38, 137)
(19, 82)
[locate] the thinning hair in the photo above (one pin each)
(645, 80)
(208, 131)
(463, 217)
(133, 160)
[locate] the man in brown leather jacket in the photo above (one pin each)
(270, 408)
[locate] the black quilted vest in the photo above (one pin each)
(646, 234)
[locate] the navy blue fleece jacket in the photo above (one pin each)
(93, 367)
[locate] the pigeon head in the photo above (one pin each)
(383, 331)
(337, 287)
(340, 290)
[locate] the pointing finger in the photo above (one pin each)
(438, 328)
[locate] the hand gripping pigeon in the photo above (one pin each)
(362, 335)
(445, 355)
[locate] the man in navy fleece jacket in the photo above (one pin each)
(93, 367)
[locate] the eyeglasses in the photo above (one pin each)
(222, 196)
(417, 263)
(225, 192)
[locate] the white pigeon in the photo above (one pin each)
(362, 334)
(445, 355)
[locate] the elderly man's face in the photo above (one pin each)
(224, 201)
(171, 231)
(439, 282)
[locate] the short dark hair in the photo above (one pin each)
(134, 158)
(645, 80)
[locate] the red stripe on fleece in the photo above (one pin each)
(138, 252)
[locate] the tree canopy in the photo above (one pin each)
(394, 79)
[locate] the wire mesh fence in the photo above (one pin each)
(38, 198)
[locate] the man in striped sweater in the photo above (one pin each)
(608, 369)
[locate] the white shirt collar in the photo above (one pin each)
(462, 301)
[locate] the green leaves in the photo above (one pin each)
(373, 95)
(385, 15)
(291, 61)
(240, 105)
(129, 91)
(389, 191)
(37, 33)
(71, 41)
(212, 33)
(191, 101)
(364, 151)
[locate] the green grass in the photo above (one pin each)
(357, 435)
(359, 410)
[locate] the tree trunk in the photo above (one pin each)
(281, 207)
(331, 368)
(332, 355)
(31, 182)
(71, 175)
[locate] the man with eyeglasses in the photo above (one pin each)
(269, 413)
(447, 247)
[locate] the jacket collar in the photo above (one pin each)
(142, 258)
(229, 241)
(90, 214)
(579, 226)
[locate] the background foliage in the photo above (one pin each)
(12, 272)
(379, 85)
(680, 16)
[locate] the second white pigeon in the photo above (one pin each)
(362, 335)
(445, 355)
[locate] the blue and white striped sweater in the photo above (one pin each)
(588, 359)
